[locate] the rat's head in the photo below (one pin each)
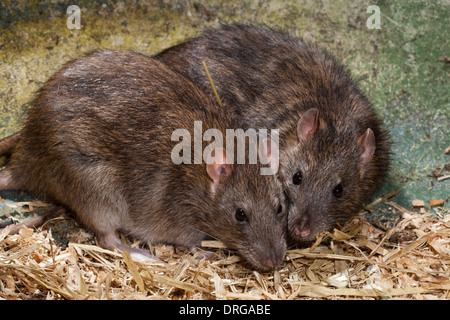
(250, 210)
(324, 176)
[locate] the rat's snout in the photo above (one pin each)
(264, 257)
(270, 254)
(273, 261)
(302, 226)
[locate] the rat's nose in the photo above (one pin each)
(302, 232)
(272, 262)
(302, 228)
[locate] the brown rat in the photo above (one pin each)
(334, 152)
(98, 140)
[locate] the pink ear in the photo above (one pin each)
(366, 144)
(308, 124)
(217, 166)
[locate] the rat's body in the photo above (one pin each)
(98, 141)
(334, 152)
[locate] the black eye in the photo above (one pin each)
(280, 209)
(240, 215)
(338, 190)
(297, 178)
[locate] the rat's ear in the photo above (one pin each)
(217, 166)
(366, 145)
(308, 124)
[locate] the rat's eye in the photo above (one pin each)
(297, 178)
(240, 215)
(280, 209)
(338, 190)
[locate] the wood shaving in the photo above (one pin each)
(358, 261)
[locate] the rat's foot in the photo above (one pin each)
(111, 242)
(38, 220)
(139, 254)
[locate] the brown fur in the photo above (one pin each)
(269, 79)
(98, 141)
(8, 144)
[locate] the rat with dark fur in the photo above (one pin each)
(334, 151)
(97, 141)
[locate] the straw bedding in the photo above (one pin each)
(409, 260)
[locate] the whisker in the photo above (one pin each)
(206, 233)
